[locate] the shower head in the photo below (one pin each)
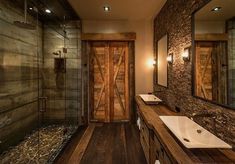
(24, 24)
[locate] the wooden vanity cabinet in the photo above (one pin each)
(160, 153)
(159, 144)
(144, 139)
(153, 150)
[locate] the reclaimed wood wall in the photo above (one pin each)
(62, 88)
(19, 78)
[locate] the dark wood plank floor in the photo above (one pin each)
(114, 143)
(65, 155)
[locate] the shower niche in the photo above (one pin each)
(60, 65)
(40, 81)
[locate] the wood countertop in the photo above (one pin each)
(174, 148)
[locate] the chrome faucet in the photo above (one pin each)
(203, 114)
(154, 92)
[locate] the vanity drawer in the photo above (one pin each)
(144, 130)
(161, 154)
(145, 147)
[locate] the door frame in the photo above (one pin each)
(87, 39)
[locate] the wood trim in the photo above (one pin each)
(127, 84)
(131, 36)
(211, 37)
(82, 145)
(110, 94)
(129, 65)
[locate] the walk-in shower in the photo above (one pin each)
(40, 92)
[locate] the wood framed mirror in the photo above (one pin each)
(214, 53)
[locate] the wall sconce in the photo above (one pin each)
(186, 54)
(170, 58)
(151, 63)
(154, 62)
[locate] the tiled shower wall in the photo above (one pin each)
(18, 75)
(175, 19)
(62, 87)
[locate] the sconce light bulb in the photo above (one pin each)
(170, 58)
(185, 54)
(154, 62)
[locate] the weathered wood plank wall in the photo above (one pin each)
(18, 75)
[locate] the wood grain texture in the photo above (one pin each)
(82, 145)
(109, 81)
(176, 151)
(108, 37)
(211, 37)
(114, 143)
(19, 79)
(66, 153)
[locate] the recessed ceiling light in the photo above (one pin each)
(107, 8)
(216, 9)
(48, 11)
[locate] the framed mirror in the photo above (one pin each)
(162, 62)
(214, 52)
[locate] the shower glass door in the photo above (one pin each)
(61, 82)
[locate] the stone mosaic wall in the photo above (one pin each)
(231, 64)
(175, 20)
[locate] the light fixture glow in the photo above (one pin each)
(107, 9)
(48, 11)
(216, 9)
(151, 63)
(154, 62)
(186, 54)
(170, 58)
(30, 8)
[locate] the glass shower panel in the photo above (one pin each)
(73, 75)
(53, 128)
(60, 101)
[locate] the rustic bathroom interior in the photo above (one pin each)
(100, 81)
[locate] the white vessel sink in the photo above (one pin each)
(150, 98)
(192, 135)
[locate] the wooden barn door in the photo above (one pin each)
(109, 90)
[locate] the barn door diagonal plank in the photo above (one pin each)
(110, 91)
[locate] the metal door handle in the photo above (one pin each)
(42, 104)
